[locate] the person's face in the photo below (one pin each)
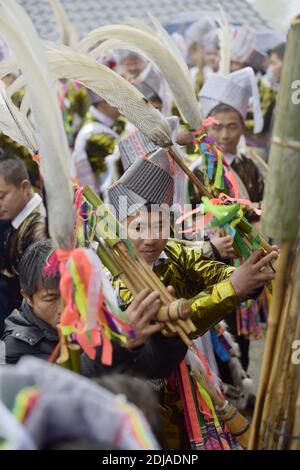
(212, 58)
(8, 79)
(236, 65)
(46, 305)
(228, 132)
(133, 66)
(112, 112)
(196, 55)
(157, 104)
(276, 66)
(13, 199)
(148, 233)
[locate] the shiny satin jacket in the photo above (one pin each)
(205, 282)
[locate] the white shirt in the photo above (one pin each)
(34, 202)
(229, 157)
(159, 260)
(103, 118)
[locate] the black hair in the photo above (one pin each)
(225, 108)
(279, 50)
(149, 93)
(32, 272)
(12, 169)
(139, 392)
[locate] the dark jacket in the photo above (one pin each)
(31, 230)
(26, 334)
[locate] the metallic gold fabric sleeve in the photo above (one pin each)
(212, 305)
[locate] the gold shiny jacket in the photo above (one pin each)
(205, 282)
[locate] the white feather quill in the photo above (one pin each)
(7, 66)
(225, 43)
(68, 33)
(67, 63)
(180, 85)
(16, 85)
(14, 124)
(22, 38)
(169, 42)
(139, 24)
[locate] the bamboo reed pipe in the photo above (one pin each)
(108, 261)
(274, 316)
(167, 297)
(202, 189)
(139, 281)
(118, 245)
(160, 287)
(237, 424)
(204, 192)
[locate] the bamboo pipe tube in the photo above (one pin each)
(294, 444)
(96, 201)
(152, 279)
(204, 192)
(274, 316)
(138, 283)
(237, 424)
(284, 372)
(279, 379)
(181, 330)
(201, 188)
(108, 261)
(167, 295)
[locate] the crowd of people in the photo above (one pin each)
(149, 375)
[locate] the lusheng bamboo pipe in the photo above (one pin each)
(204, 192)
(237, 424)
(137, 275)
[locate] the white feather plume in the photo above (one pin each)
(148, 45)
(67, 63)
(22, 38)
(16, 85)
(139, 24)
(169, 42)
(68, 33)
(225, 43)
(14, 124)
(7, 66)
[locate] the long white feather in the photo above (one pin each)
(16, 85)
(110, 44)
(14, 124)
(7, 66)
(67, 63)
(25, 105)
(180, 85)
(139, 24)
(225, 43)
(68, 33)
(22, 38)
(169, 42)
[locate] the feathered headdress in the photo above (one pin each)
(25, 43)
(68, 34)
(64, 62)
(162, 52)
(14, 124)
(225, 43)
